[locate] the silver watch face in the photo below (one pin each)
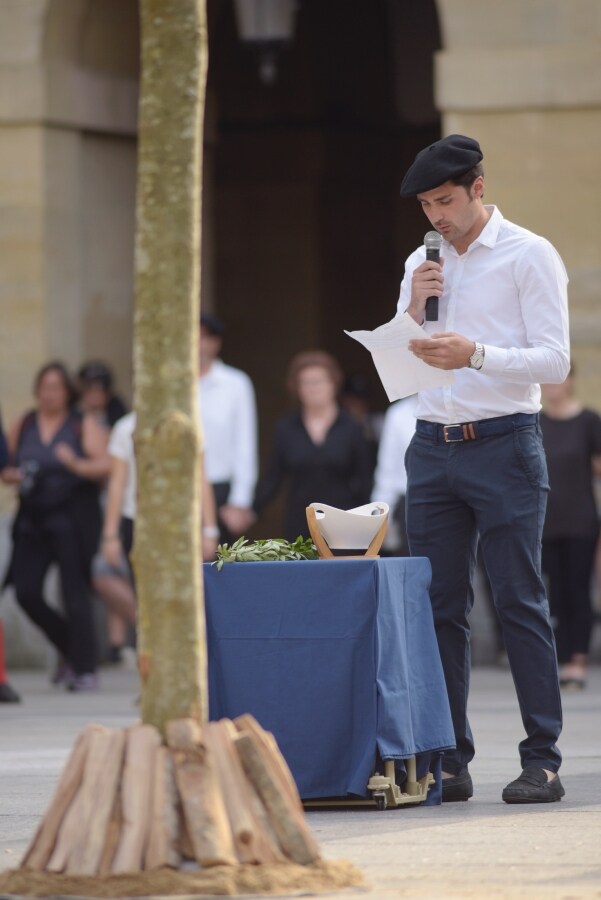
(477, 358)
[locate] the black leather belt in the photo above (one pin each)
(473, 431)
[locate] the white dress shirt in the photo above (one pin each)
(229, 423)
(508, 291)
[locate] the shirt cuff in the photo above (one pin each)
(495, 360)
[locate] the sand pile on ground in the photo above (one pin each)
(219, 881)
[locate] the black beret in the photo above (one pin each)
(441, 161)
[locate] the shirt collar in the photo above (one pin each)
(490, 233)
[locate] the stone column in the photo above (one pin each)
(68, 118)
(525, 80)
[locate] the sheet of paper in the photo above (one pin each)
(401, 372)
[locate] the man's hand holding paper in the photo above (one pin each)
(446, 350)
(400, 368)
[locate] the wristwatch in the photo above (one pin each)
(477, 357)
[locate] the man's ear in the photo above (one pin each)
(478, 188)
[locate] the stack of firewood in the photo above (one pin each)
(217, 795)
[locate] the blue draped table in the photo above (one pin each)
(337, 658)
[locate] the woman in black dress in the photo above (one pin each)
(319, 452)
(57, 459)
(572, 441)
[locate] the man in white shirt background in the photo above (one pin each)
(229, 424)
(476, 466)
(390, 477)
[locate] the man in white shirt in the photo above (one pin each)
(476, 465)
(390, 477)
(229, 423)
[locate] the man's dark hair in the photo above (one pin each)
(467, 179)
(96, 373)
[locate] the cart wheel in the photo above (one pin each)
(380, 802)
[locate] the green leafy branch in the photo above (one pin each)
(270, 550)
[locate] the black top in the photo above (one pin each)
(50, 490)
(50, 484)
(336, 472)
(570, 445)
(3, 448)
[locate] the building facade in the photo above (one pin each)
(304, 232)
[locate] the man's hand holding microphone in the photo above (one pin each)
(444, 350)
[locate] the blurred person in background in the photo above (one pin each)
(57, 460)
(120, 512)
(356, 397)
(572, 442)
(7, 693)
(229, 425)
(319, 451)
(390, 480)
(112, 576)
(95, 383)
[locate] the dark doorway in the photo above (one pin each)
(309, 232)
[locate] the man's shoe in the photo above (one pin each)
(458, 787)
(533, 787)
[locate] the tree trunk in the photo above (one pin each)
(172, 645)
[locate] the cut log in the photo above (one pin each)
(70, 830)
(113, 834)
(199, 791)
(44, 840)
(98, 790)
(184, 841)
(162, 849)
(289, 825)
(236, 791)
(272, 755)
(136, 797)
(218, 743)
(268, 846)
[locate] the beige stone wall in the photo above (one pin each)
(106, 248)
(68, 110)
(22, 262)
(525, 80)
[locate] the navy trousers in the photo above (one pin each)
(493, 488)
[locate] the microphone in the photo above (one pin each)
(432, 243)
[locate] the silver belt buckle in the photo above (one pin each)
(453, 440)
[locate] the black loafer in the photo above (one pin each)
(533, 787)
(458, 787)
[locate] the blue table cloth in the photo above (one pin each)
(337, 658)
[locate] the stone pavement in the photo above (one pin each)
(480, 849)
